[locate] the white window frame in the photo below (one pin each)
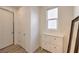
(51, 19)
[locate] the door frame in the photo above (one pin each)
(12, 21)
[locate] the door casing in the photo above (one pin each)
(12, 22)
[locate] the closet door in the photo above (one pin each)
(6, 28)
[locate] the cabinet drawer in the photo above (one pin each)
(47, 39)
(52, 43)
(59, 42)
(56, 49)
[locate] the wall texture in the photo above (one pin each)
(34, 28)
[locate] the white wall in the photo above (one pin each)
(65, 18)
(76, 11)
(34, 28)
(65, 15)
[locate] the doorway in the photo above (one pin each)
(6, 28)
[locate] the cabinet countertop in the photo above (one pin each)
(54, 34)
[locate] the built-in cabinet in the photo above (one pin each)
(27, 28)
(52, 43)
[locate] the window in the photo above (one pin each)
(52, 16)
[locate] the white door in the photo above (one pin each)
(6, 28)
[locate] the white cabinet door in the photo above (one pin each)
(52, 43)
(47, 42)
(6, 28)
(59, 45)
